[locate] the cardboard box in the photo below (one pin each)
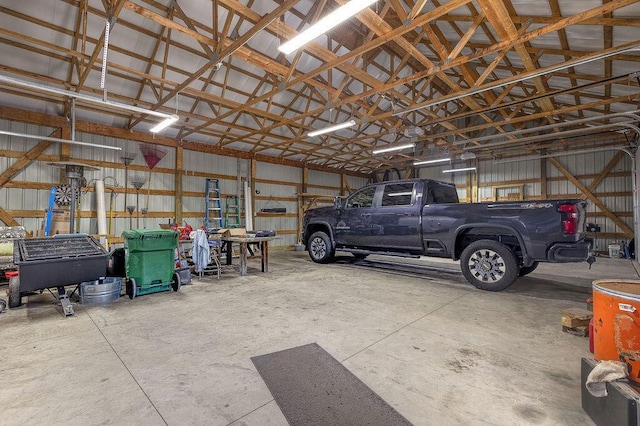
(233, 232)
(59, 222)
(59, 215)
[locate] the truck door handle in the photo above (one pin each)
(365, 215)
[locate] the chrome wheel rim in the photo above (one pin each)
(318, 248)
(487, 266)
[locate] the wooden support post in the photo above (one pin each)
(252, 189)
(344, 185)
(305, 180)
(303, 190)
(543, 179)
(178, 184)
(474, 188)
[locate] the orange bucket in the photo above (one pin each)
(616, 324)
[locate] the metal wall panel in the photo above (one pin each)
(356, 182)
(278, 172)
(324, 178)
(209, 163)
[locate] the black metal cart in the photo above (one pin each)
(45, 263)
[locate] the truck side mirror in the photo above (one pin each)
(337, 203)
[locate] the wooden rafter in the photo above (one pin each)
(407, 52)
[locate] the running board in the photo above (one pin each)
(380, 253)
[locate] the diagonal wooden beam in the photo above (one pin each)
(466, 37)
(588, 194)
(612, 163)
(417, 7)
(26, 159)
(499, 57)
(7, 218)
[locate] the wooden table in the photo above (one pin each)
(244, 242)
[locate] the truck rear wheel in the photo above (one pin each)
(320, 248)
(489, 265)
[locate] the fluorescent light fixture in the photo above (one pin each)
(437, 160)
(164, 124)
(463, 169)
(394, 148)
(332, 128)
(333, 19)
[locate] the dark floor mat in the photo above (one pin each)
(313, 388)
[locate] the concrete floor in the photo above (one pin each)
(436, 349)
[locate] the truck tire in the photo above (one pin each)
(489, 265)
(320, 248)
(526, 270)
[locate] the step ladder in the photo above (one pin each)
(212, 205)
(232, 211)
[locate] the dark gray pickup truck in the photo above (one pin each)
(495, 242)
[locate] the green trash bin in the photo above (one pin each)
(150, 261)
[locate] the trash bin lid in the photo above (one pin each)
(138, 234)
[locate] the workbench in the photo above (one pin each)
(263, 243)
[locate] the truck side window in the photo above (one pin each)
(398, 194)
(442, 194)
(362, 198)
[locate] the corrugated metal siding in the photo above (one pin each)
(356, 182)
(324, 178)
(278, 172)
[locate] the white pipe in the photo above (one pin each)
(562, 154)
(47, 138)
(631, 114)
(559, 135)
(100, 208)
(248, 212)
(69, 93)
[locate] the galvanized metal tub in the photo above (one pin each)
(101, 291)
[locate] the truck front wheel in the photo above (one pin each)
(526, 270)
(489, 265)
(320, 249)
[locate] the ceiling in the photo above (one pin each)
(476, 70)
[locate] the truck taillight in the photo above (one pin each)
(569, 218)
